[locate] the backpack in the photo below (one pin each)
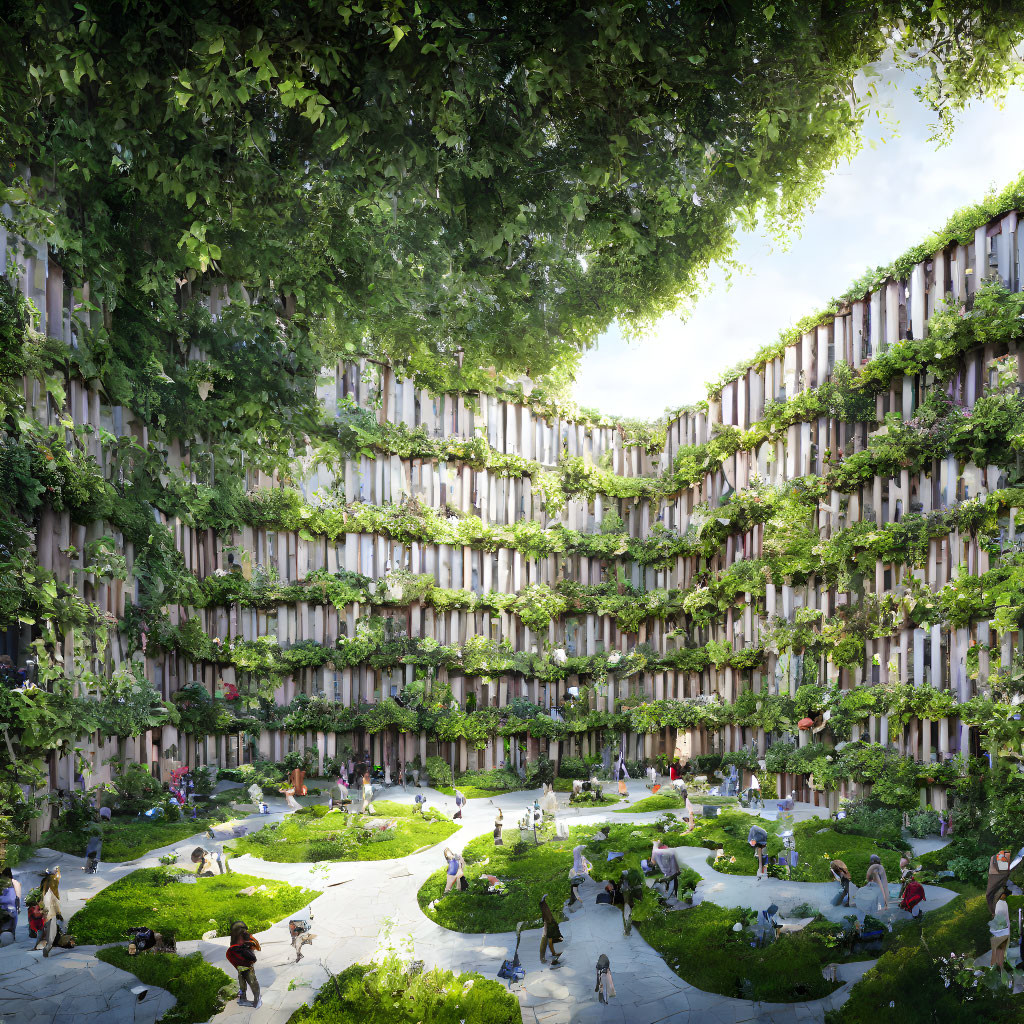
(240, 955)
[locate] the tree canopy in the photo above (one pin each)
(422, 178)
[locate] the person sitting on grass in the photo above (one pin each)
(241, 954)
(841, 873)
(757, 837)
(209, 863)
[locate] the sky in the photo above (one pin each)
(889, 197)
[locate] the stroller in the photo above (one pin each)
(511, 969)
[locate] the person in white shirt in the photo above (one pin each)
(999, 927)
(755, 792)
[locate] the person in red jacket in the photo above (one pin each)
(913, 894)
(242, 956)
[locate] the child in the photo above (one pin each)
(36, 923)
(242, 957)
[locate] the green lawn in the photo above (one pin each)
(529, 872)
(472, 792)
(384, 994)
(729, 832)
(817, 844)
(131, 838)
(200, 988)
(155, 897)
(316, 835)
(701, 947)
(905, 985)
(668, 801)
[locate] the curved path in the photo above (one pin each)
(368, 905)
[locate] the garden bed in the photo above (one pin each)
(386, 994)
(158, 899)
(200, 988)
(669, 801)
(699, 944)
(131, 838)
(906, 979)
(314, 834)
(529, 872)
(817, 843)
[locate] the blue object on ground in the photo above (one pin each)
(615, 856)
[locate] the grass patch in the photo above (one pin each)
(473, 792)
(906, 978)
(156, 897)
(701, 947)
(131, 838)
(529, 872)
(197, 985)
(817, 844)
(385, 994)
(728, 832)
(316, 835)
(673, 802)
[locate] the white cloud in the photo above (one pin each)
(888, 198)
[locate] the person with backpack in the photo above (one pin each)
(242, 956)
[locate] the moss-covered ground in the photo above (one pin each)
(200, 988)
(157, 898)
(314, 834)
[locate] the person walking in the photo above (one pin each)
(460, 802)
(999, 928)
(577, 875)
(50, 904)
(455, 872)
(605, 987)
(758, 839)
(549, 934)
(241, 954)
(755, 791)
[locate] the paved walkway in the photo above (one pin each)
(366, 906)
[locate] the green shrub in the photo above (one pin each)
(573, 768)
(199, 987)
(385, 993)
(540, 772)
(924, 823)
(882, 823)
(439, 771)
